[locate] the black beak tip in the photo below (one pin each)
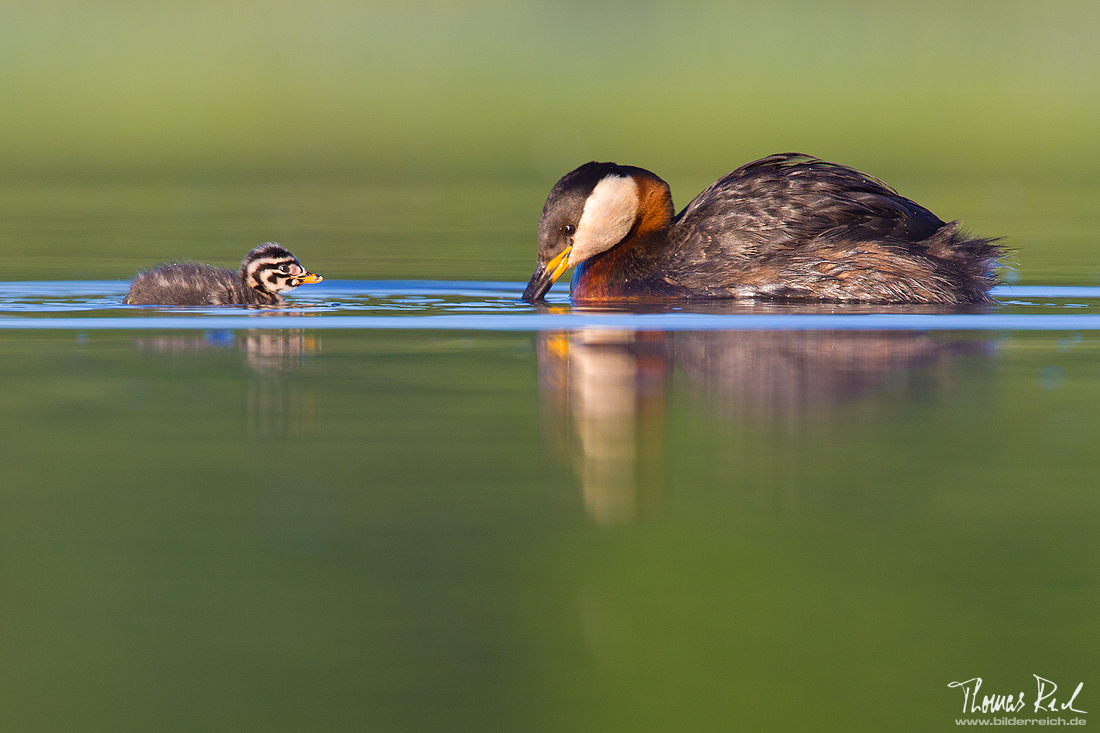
(532, 294)
(539, 285)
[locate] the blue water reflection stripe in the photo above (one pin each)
(573, 321)
(468, 288)
(1045, 291)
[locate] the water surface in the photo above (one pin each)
(497, 306)
(425, 505)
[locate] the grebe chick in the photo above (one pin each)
(266, 273)
(789, 227)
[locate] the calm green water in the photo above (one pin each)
(392, 530)
(552, 528)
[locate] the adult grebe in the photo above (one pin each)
(266, 273)
(788, 226)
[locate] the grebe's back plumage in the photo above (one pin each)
(784, 227)
(265, 274)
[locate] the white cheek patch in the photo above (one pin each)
(608, 216)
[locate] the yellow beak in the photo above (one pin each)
(546, 275)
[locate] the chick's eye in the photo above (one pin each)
(569, 230)
(284, 269)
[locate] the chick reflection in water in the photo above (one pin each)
(607, 393)
(264, 351)
(275, 406)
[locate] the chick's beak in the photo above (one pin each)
(309, 278)
(546, 274)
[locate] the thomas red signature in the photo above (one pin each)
(1044, 698)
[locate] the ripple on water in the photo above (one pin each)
(496, 306)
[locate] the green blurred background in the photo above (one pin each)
(508, 87)
(983, 111)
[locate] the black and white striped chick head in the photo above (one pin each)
(270, 268)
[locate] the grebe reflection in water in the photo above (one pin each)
(768, 401)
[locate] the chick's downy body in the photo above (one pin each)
(265, 274)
